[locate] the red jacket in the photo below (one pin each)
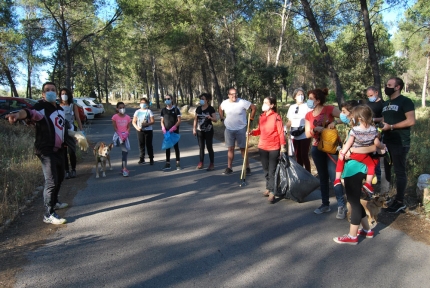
(271, 131)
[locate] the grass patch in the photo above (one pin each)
(20, 169)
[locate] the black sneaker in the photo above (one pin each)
(141, 161)
(73, 174)
(167, 167)
(67, 176)
(396, 207)
(248, 171)
(227, 171)
(151, 162)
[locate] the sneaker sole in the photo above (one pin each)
(398, 210)
(319, 212)
(340, 242)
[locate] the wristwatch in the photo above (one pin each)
(391, 126)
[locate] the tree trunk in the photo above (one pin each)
(284, 19)
(96, 70)
(106, 80)
(190, 88)
(324, 50)
(13, 91)
(205, 78)
(155, 79)
(29, 71)
(371, 46)
(426, 77)
(213, 73)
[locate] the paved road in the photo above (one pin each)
(194, 228)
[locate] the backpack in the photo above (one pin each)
(329, 140)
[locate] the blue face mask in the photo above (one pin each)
(310, 104)
(372, 99)
(143, 105)
(50, 96)
(344, 118)
(202, 102)
(168, 102)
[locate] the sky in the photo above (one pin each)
(391, 17)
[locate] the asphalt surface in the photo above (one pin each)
(193, 228)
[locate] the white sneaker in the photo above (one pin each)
(341, 212)
(61, 205)
(54, 219)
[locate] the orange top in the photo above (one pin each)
(271, 131)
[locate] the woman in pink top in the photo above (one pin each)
(121, 125)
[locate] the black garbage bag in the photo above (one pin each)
(292, 181)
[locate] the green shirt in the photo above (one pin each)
(353, 167)
(394, 112)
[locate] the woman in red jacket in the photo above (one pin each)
(272, 142)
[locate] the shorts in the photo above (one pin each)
(232, 136)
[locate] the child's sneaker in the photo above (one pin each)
(368, 188)
(337, 182)
(345, 239)
(125, 173)
(368, 234)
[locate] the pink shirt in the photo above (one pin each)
(121, 122)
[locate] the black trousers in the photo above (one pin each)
(206, 138)
(353, 185)
(145, 140)
(269, 161)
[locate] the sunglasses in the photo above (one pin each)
(297, 110)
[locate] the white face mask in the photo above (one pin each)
(265, 107)
(64, 97)
(300, 98)
(122, 110)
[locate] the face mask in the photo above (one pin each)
(143, 105)
(64, 97)
(50, 96)
(168, 102)
(265, 107)
(389, 91)
(372, 99)
(310, 104)
(202, 102)
(300, 98)
(122, 111)
(344, 118)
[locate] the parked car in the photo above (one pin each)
(88, 109)
(82, 115)
(9, 104)
(99, 108)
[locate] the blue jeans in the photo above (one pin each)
(53, 171)
(327, 171)
(398, 156)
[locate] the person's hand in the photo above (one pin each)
(318, 129)
(194, 132)
(332, 125)
(174, 128)
(284, 149)
(13, 117)
(163, 129)
(341, 155)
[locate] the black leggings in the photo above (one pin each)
(353, 185)
(145, 140)
(269, 161)
(301, 150)
(207, 137)
(178, 158)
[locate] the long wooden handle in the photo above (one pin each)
(245, 156)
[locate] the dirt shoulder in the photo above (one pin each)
(28, 232)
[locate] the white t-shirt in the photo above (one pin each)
(298, 119)
(143, 116)
(235, 113)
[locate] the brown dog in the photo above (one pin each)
(372, 208)
(101, 152)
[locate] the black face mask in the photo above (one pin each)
(389, 91)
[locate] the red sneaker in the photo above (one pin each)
(345, 239)
(368, 234)
(200, 165)
(368, 188)
(337, 182)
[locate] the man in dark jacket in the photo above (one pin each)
(50, 129)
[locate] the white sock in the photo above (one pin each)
(352, 237)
